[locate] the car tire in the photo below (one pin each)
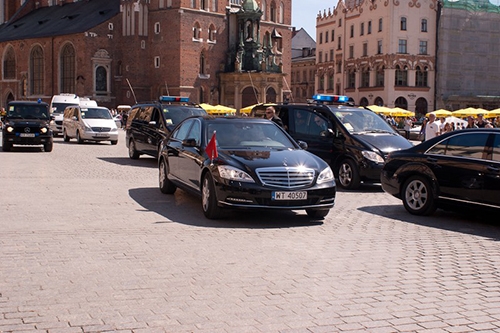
(348, 175)
(66, 138)
(209, 199)
(78, 137)
(418, 196)
(132, 152)
(6, 146)
(317, 213)
(48, 147)
(114, 142)
(166, 186)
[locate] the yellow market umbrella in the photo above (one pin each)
(380, 109)
(221, 109)
(469, 112)
(248, 109)
(207, 107)
(492, 114)
(440, 113)
(399, 112)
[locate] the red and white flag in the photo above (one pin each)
(211, 148)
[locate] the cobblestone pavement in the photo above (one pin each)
(89, 244)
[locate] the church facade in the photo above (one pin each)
(230, 52)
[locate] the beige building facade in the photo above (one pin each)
(379, 52)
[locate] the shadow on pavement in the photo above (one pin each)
(186, 209)
(145, 162)
(484, 224)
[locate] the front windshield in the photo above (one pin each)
(244, 135)
(59, 107)
(28, 112)
(174, 114)
(356, 121)
(92, 113)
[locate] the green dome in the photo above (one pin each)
(250, 5)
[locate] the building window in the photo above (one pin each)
(352, 31)
(401, 76)
(326, 37)
(9, 64)
(379, 47)
(351, 79)
(331, 55)
(326, 57)
(423, 25)
(339, 67)
(203, 4)
(320, 57)
(193, 3)
(321, 38)
(423, 47)
(202, 64)
(36, 71)
(421, 77)
(282, 13)
(157, 62)
(196, 32)
(67, 71)
(351, 51)
(263, 7)
(403, 23)
(362, 29)
(369, 27)
(379, 25)
(322, 82)
(402, 46)
(101, 80)
(380, 77)
(365, 78)
(212, 34)
(272, 13)
(340, 22)
(365, 49)
(333, 36)
(339, 43)
(330, 82)
(157, 28)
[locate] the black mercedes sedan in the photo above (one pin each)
(457, 168)
(247, 163)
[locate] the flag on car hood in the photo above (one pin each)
(211, 148)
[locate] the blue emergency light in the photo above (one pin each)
(174, 99)
(330, 98)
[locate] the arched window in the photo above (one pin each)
(421, 107)
(379, 101)
(9, 64)
(196, 31)
(281, 13)
(212, 33)
(263, 7)
(423, 25)
(321, 83)
(363, 102)
(272, 11)
(36, 71)
(401, 76)
(380, 79)
(249, 96)
(403, 23)
(401, 102)
(330, 81)
(68, 70)
(365, 77)
(421, 77)
(271, 95)
(202, 63)
(101, 80)
(351, 79)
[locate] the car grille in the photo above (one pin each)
(285, 177)
(59, 122)
(27, 129)
(101, 129)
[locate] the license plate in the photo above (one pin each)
(297, 195)
(102, 134)
(27, 135)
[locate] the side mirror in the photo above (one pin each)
(303, 145)
(152, 123)
(190, 142)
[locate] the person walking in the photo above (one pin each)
(431, 129)
(407, 127)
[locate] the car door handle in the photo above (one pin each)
(492, 169)
(432, 160)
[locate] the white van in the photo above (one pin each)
(57, 106)
(93, 123)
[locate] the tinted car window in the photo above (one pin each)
(175, 114)
(28, 112)
(496, 148)
(470, 145)
(96, 114)
(183, 130)
(195, 132)
(249, 135)
(361, 120)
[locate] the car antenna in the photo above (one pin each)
(132, 89)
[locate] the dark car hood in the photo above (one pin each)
(27, 122)
(262, 158)
(386, 142)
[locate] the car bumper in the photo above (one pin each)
(100, 136)
(16, 139)
(249, 195)
(370, 171)
(390, 184)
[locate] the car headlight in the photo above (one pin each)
(325, 176)
(10, 129)
(88, 128)
(231, 173)
(43, 130)
(372, 156)
(114, 130)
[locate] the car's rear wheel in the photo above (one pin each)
(78, 137)
(348, 175)
(114, 142)
(317, 213)
(166, 186)
(209, 198)
(418, 197)
(132, 151)
(66, 138)
(48, 146)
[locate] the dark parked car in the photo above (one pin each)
(456, 168)
(256, 164)
(149, 123)
(27, 123)
(354, 141)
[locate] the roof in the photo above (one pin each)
(71, 18)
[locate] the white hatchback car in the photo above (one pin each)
(89, 124)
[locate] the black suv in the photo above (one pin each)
(27, 123)
(149, 123)
(354, 141)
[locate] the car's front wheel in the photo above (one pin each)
(78, 137)
(48, 146)
(348, 175)
(418, 197)
(114, 142)
(6, 146)
(132, 151)
(166, 186)
(317, 213)
(66, 138)
(209, 198)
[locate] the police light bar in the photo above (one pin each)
(174, 99)
(331, 98)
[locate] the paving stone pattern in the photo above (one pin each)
(89, 244)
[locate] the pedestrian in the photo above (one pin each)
(471, 123)
(421, 134)
(481, 122)
(431, 129)
(271, 115)
(407, 127)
